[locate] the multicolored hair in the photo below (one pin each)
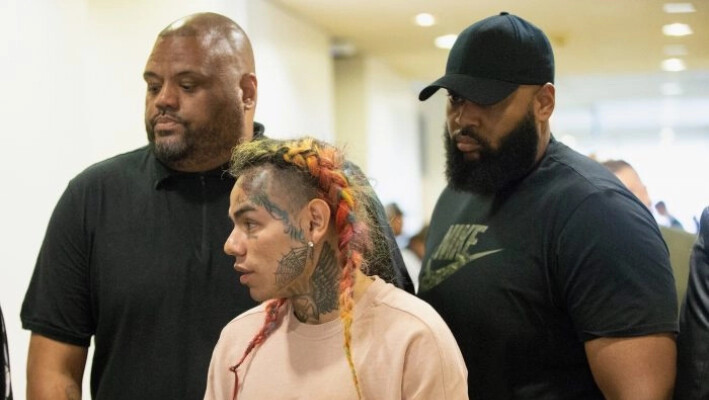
(323, 167)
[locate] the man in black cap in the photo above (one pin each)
(552, 275)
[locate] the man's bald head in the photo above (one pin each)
(202, 91)
(216, 30)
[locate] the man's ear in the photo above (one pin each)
(249, 88)
(318, 218)
(545, 99)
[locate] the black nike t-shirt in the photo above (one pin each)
(525, 276)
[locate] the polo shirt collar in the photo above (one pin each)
(161, 173)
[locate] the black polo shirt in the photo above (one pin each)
(133, 255)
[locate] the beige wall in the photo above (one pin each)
(376, 121)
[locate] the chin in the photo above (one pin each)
(259, 296)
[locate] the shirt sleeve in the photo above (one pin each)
(614, 269)
(434, 367)
(58, 303)
(216, 381)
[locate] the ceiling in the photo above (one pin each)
(617, 39)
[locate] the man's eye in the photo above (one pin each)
(153, 88)
(250, 226)
(188, 86)
(454, 98)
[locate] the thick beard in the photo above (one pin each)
(199, 145)
(495, 169)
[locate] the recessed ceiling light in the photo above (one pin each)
(673, 65)
(445, 41)
(676, 29)
(425, 19)
(675, 50)
(678, 8)
(671, 89)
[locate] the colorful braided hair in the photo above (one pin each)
(324, 167)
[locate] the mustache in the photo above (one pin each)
(166, 115)
(471, 133)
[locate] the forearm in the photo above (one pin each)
(54, 369)
(641, 368)
(47, 386)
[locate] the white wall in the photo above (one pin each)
(376, 116)
(74, 94)
(393, 146)
(295, 71)
(350, 109)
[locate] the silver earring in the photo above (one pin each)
(311, 247)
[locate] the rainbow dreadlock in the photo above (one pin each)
(322, 165)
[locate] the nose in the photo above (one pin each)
(167, 98)
(234, 245)
(466, 114)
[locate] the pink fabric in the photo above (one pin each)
(402, 349)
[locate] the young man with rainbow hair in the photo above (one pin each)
(329, 326)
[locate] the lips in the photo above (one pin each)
(466, 144)
(245, 274)
(244, 278)
(165, 123)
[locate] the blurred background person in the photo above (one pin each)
(413, 255)
(667, 219)
(396, 221)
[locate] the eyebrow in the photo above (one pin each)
(151, 74)
(243, 210)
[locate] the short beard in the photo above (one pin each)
(495, 169)
(175, 151)
(200, 145)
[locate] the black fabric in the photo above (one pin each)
(693, 340)
(133, 256)
(492, 57)
(5, 385)
(525, 276)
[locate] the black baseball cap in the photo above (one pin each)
(492, 57)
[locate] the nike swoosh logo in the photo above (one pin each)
(430, 278)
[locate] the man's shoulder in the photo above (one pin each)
(405, 307)
(568, 178)
(565, 164)
(248, 320)
(124, 164)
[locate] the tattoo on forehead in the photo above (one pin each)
(256, 184)
(261, 198)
